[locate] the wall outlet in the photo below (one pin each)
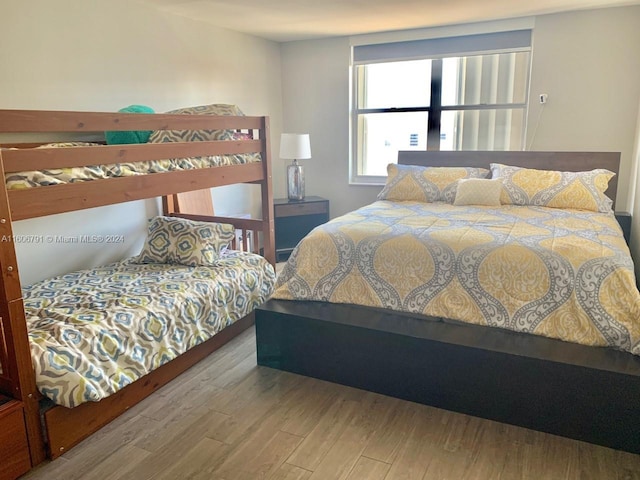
(543, 98)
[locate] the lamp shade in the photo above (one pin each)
(295, 146)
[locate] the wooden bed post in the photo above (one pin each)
(20, 366)
(169, 204)
(267, 198)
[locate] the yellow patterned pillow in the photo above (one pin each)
(185, 242)
(549, 188)
(425, 184)
(478, 191)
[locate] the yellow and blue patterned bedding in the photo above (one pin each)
(559, 273)
(95, 331)
(22, 180)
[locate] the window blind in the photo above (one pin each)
(439, 47)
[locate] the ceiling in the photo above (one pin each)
(287, 20)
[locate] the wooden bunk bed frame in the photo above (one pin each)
(581, 392)
(56, 430)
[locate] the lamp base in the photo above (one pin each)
(295, 181)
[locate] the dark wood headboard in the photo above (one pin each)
(563, 161)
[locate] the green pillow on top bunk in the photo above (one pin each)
(173, 240)
(142, 136)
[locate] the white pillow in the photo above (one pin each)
(478, 191)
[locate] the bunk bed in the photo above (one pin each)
(583, 392)
(54, 430)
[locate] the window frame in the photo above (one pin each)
(434, 109)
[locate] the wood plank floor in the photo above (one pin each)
(228, 419)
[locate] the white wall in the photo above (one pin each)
(588, 62)
(104, 55)
(315, 86)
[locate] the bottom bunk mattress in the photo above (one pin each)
(95, 331)
(564, 274)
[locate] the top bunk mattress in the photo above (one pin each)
(95, 331)
(39, 178)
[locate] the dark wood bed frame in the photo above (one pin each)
(581, 392)
(54, 431)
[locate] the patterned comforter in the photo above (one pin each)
(22, 180)
(95, 331)
(564, 274)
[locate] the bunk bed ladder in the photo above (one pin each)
(18, 355)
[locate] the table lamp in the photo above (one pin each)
(294, 146)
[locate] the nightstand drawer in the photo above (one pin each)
(293, 209)
(14, 449)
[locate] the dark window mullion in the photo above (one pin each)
(360, 111)
(484, 106)
(435, 113)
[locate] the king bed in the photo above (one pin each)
(494, 311)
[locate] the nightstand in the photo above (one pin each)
(624, 219)
(14, 449)
(294, 219)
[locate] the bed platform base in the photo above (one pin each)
(585, 393)
(66, 427)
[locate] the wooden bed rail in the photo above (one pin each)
(244, 225)
(51, 158)
(27, 121)
(70, 197)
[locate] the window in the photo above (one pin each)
(459, 93)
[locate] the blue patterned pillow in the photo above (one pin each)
(185, 242)
(164, 136)
(554, 189)
(425, 184)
